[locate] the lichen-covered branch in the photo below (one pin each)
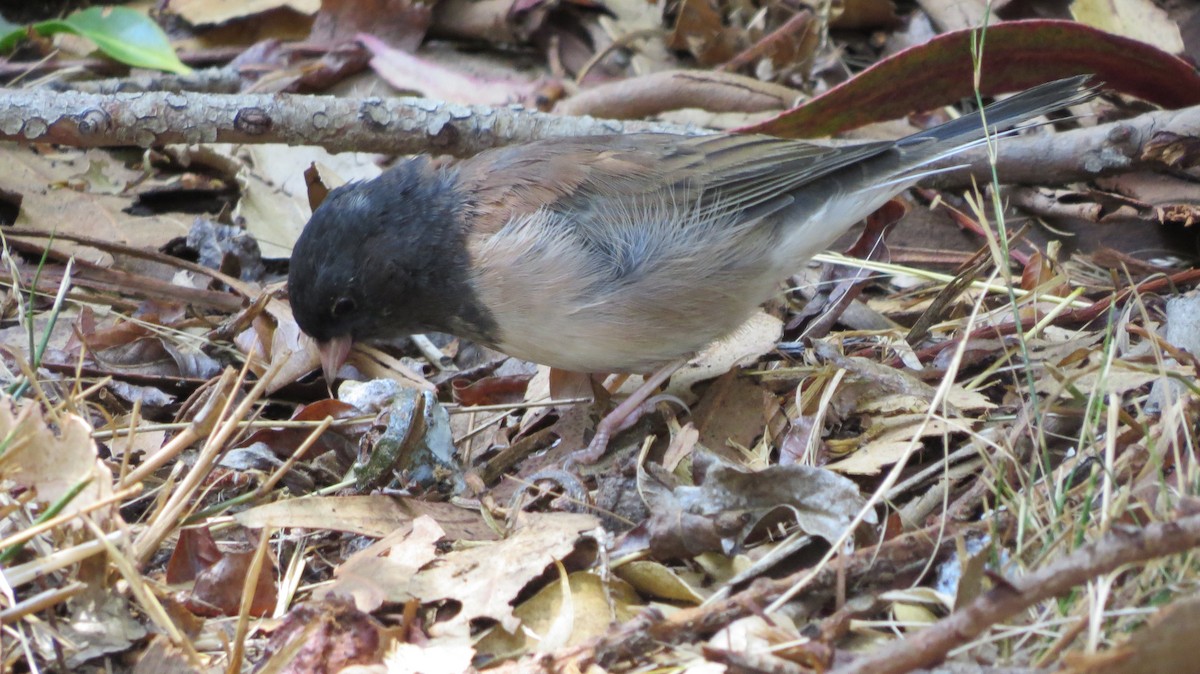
(417, 125)
(386, 125)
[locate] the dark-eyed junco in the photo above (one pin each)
(619, 253)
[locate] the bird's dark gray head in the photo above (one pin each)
(383, 258)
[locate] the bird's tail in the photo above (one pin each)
(969, 131)
(854, 191)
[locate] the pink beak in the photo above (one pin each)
(333, 355)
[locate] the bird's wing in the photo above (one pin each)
(745, 173)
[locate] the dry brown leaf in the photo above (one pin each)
(757, 336)
(624, 18)
(218, 588)
(163, 657)
(375, 515)
(399, 23)
(733, 410)
(858, 14)
(53, 198)
(382, 572)
(887, 438)
(1121, 377)
(765, 639)
(324, 636)
(52, 462)
(410, 72)
(102, 623)
(208, 12)
(485, 579)
(1137, 19)
(273, 194)
(700, 29)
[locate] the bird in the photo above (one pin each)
(622, 253)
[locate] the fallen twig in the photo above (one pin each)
(876, 566)
(415, 125)
(388, 125)
(1120, 547)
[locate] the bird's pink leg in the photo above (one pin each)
(615, 420)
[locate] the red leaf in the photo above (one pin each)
(195, 552)
(218, 589)
(1017, 55)
(490, 390)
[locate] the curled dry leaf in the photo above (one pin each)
(875, 387)
(866, 14)
(656, 580)
(101, 623)
(701, 30)
(273, 202)
(765, 643)
(401, 23)
(195, 551)
(273, 336)
(590, 603)
(490, 390)
(1019, 54)
(218, 588)
(143, 347)
(887, 439)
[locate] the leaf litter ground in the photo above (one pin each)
(183, 494)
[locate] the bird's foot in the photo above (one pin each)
(613, 424)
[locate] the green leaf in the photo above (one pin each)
(10, 34)
(124, 34)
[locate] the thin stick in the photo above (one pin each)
(266, 487)
(172, 511)
(248, 592)
(1122, 546)
(40, 602)
(26, 534)
(433, 354)
(200, 426)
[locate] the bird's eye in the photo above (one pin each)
(343, 306)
